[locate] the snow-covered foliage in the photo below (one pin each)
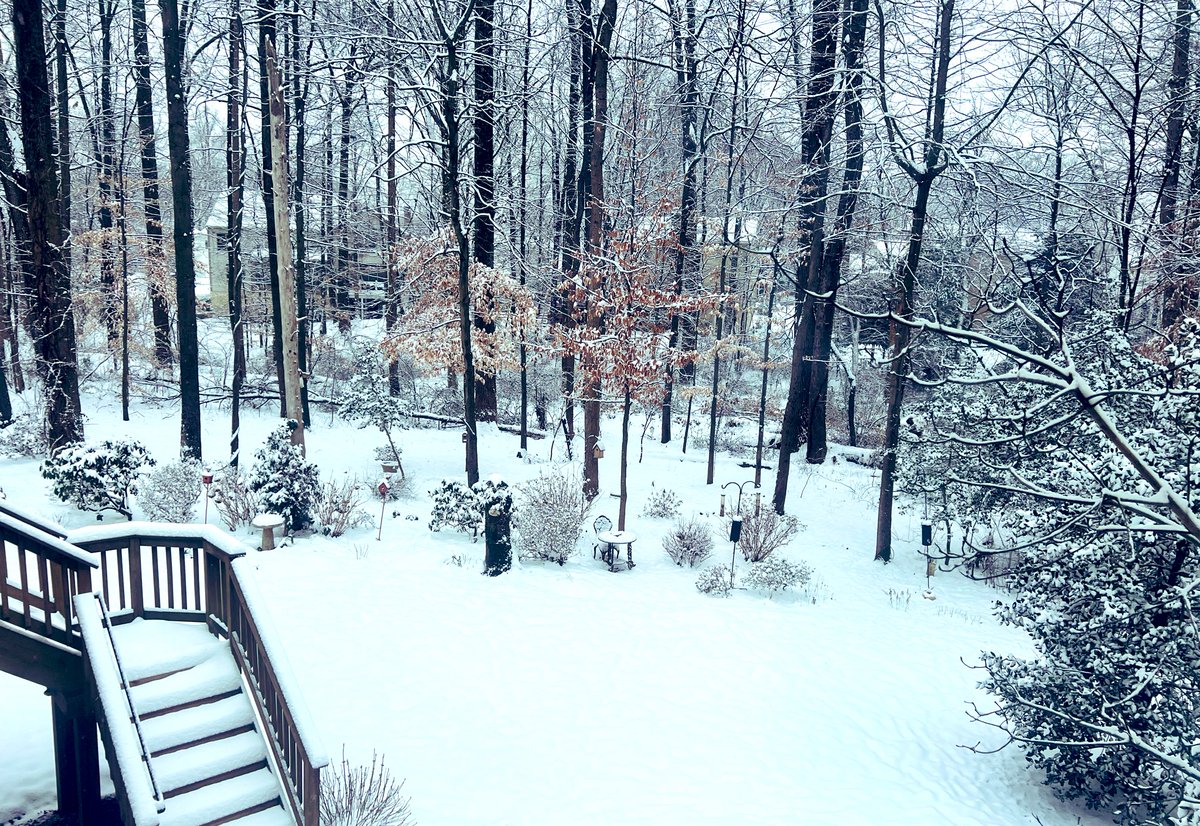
(663, 503)
(25, 436)
(341, 505)
(98, 477)
(170, 491)
(232, 497)
(455, 506)
(766, 533)
(1087, 462)
(429, 330)
(365, 400)
(776, 574)
(689, 542)
(282, 481)
(552, 516)
(715, 580)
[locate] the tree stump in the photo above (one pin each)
(497, 533)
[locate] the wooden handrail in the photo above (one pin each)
(147, 568)
(40, 575)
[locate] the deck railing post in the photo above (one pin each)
(137, 596)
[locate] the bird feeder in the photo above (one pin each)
(735, 529)
(206, 476)
(464, 437)
(598, 451)
(388, 468)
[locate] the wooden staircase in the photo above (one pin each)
(206, 749)
(201, 719)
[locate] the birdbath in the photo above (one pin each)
(268, 522)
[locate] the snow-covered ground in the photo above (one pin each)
(572, 695)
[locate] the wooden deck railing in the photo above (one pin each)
(150, 570)
(40, 574)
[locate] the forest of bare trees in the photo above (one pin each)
(511, 187)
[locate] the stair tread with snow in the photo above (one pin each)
(220, 802)
(276, 816)
(210, 678)
(188, 767)
(227, 716)
(150, 649)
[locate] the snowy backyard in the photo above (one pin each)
(572, 694)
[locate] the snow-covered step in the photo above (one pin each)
(220, 802)
(275, 816)
(191, 766)
(152, 648)
(231, 715)
(211, 678)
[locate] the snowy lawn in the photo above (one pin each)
(555, 695)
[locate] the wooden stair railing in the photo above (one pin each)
(40, 574)
(192, 572)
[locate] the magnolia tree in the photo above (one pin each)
(1076, 455)
(626, 351)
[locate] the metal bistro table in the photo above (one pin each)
(614, 541)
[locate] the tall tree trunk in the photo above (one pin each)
(594, 210)
(48, 278)
(483, 164)
(63, 99)
(155, 249)
(902, 307)
(819, 111)
(266, 31)
(1181, 297)
(835, 248)
(523, 207)
(294, 409)
(687, 255)
(104, 177)
(299, 106)
(179, 146)
(235, 179)
(567, 229)
(346, 96)
(391, 306)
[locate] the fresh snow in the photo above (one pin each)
(553, 695)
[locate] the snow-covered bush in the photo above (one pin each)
(551, 518)
(715, 580)
(340, 506)
(766, 533)
(98, 477)
(232, 497)
(282, 480)
(362, 796)
(688, 543)
(366, 401)
(25, 437)
(170, 491)
(776, 574)
(662, 503)
(455, 506)
(1092, 468)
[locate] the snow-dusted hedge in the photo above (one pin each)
(715, 580)
(766, 533)
(98, 477)
(663, 503)
(775, 574)
(283, 481)
(552, 517)
(688, 543)
(170, 492)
